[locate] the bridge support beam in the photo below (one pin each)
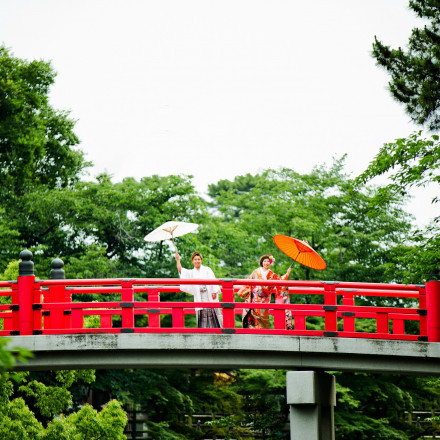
(312, 398)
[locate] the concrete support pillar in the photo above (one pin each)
(312, 398)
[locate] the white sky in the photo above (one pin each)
(219, 88)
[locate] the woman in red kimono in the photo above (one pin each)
(259, 318)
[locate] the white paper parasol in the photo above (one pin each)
(171, 230)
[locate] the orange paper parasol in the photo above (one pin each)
(299, 251)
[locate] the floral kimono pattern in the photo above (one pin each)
(259, 318)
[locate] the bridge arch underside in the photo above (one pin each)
(147, 350)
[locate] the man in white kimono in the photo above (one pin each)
(206, 318)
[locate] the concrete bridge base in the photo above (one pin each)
(312, 398)
(168, 350)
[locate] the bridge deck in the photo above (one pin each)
(228, 351)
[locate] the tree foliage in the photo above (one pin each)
(107, 218)
(28, 404)
(37, 144)
(172, 399)
(321, 207)
(36, 141)
(374, 405)
(409, 162)
(87, 423)
(415, 73)
(31, 409)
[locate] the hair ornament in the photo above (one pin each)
(271, 259)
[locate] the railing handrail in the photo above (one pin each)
(339, 285)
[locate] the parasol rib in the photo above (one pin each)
(173, 229)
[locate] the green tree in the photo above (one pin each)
(36, 141)
(108, 221)
(415, 73)
(89, 424)
(264, 398)
(37, 145)
(321, 207)
(30, 409)
(171, 397)
(408, 163)
(374, 405)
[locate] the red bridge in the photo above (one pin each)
(106, 334)
(46, 307)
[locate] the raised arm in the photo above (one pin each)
(286, 275)
(283, 291)
(179, 266)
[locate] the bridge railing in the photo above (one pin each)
(46, 307)
(320, 308)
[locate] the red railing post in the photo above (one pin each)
(279, 319)
(105, 321)
(228, 305)
(67, 312)
(25, 281)
(299, 322)
(47, 299)
(77, 319)
(382, 323)
(423, 312)
(398, 327)
(433, 308)
(38, 321)
(348, 317)
(58, 294)
(330, 308)
(15, 319)
(178, 317)
(7, 323)
(127, 304)
(154, 314)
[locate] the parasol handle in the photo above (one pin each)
(293, 272)
(172, 238)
